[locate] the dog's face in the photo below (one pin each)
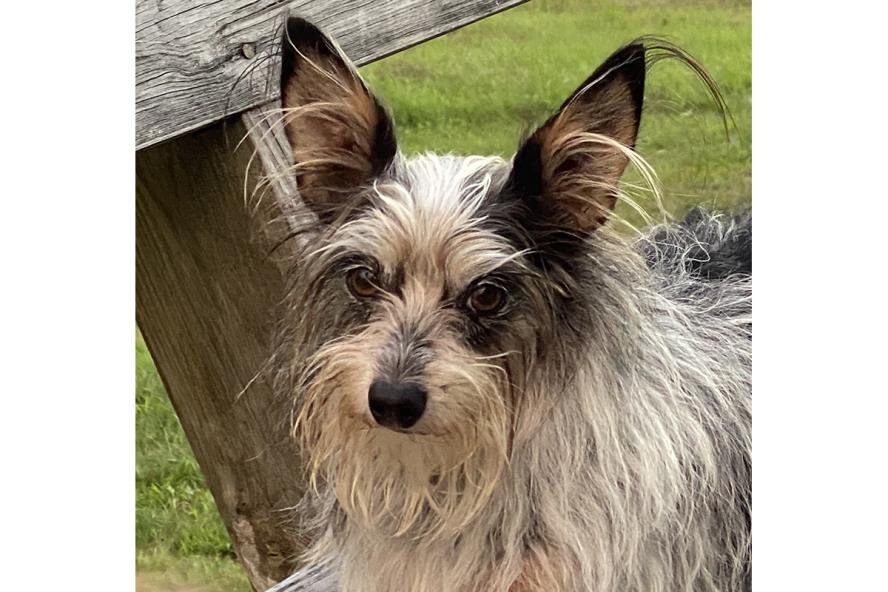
(433, 286)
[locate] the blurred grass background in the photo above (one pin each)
(475, 91)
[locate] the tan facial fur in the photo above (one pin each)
(426, 237)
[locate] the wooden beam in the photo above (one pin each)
(206, 290)
(200, 61)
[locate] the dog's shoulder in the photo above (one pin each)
(706, 244)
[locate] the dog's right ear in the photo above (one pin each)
(340, 135)
(572, 163)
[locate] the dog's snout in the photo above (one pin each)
(396, 405)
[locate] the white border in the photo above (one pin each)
(820, 296)
(68, 296)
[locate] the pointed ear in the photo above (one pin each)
(340, 135)
(574, 161)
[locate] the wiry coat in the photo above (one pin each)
(592, 433)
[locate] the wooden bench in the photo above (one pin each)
(206, 276)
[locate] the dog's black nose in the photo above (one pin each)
(396, 405)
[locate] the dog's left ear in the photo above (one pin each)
(571, 165)
(340, 134)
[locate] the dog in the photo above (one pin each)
(493, 388)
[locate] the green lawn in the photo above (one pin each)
(475, 91)
(180, 538)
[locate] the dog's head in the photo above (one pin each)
(431, 289)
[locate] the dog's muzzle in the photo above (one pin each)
(396, 405)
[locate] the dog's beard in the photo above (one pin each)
(427, 483)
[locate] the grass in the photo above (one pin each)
(180, 539)
(476, 91)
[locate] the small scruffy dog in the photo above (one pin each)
(494, 390)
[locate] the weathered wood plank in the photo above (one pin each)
(206, 290)
(199, 61)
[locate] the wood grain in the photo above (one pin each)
(206, 291)
(198, 61)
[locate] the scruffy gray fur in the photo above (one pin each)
(586, 410)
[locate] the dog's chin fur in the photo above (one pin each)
(424, 483)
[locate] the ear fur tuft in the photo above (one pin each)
(340, 134)
(576, 158)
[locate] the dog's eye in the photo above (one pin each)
(487, 299)
(361, 282)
